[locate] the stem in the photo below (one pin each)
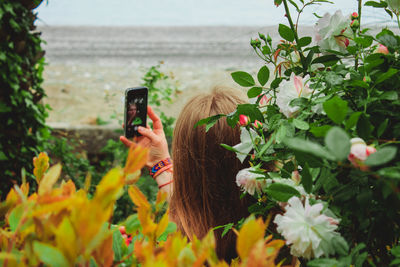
(358, 29)
(296, 37)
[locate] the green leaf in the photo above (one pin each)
(338, 143)
(309, 147)
(304, 41)
(281, 133)
(323, 263)
(226, 229)
(171, 228)
(117, 244)
(299, 124)
(254, 92)
(364, 41)
(275, 83)
(376, 4)
(327, 60)
(336, 109)
(306, 178)
(383, 77)
(243, 78)
(227, 147)
(50, 255)
(263, 75)
(320, 131)
(382, 127)
(340, 245)
(390, 172)
(390, 95)
(382, 156)
(15, 217)
(352, 121)
(286, 33)
(210, 121)
(250, 110)
(281, 192)
(364, 127)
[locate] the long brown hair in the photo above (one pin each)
(205, 194)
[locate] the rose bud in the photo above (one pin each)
(244, 120)
(262, 37)
(354, 15)
(257, 124)
(382, 49)
(354, 24)
(367, 79)
(359, 152)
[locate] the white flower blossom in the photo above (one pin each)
(250, 181)
(309, 232)
(294, 88)
(334, 32)
(246, 144)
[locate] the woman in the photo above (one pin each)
(202, 189)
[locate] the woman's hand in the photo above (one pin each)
(154, 139)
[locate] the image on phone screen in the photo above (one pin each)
(136, 110)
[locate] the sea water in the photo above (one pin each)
(188, 12)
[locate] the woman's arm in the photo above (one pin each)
(157, 143)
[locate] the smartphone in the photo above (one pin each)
(135, 110)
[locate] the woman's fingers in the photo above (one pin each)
(147, 133)
(157, 125)
(125, 141)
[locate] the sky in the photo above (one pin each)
(183, 12)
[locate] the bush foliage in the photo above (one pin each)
(22, 115)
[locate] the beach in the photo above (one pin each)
(89, 68)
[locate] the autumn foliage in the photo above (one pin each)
(61, 226)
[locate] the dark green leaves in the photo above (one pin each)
(263, 75)
(286, 33)
(382, 156)
(254, 92)
(328, 60)
(338, 143)
(209, 122)
(336, 109)
(304, 41)
(243, 78)
(281, 192)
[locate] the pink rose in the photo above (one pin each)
(359, 152)
(354, 15)
(244, 120)
(382, 49)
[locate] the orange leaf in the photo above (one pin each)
(137, 158)
(104, 254)
(251, 232)
(41, 164)
(138, 198)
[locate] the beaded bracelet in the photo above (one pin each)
(161, 166)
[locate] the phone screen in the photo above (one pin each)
(135, 110)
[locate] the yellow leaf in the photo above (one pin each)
(133, 177)
(49, 179)
(66, 239)
(162, 224)
(104, 254)
(110, 188)
(88, 181)
(251, 232)
(137, 158)
(41, 164)
(137, 197)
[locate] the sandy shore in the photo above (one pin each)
(90, 67)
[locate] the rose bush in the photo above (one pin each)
(328, 148)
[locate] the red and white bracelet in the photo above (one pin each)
(160, 167)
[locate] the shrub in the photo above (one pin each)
(22, 115)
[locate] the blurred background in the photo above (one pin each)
(97, 49)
